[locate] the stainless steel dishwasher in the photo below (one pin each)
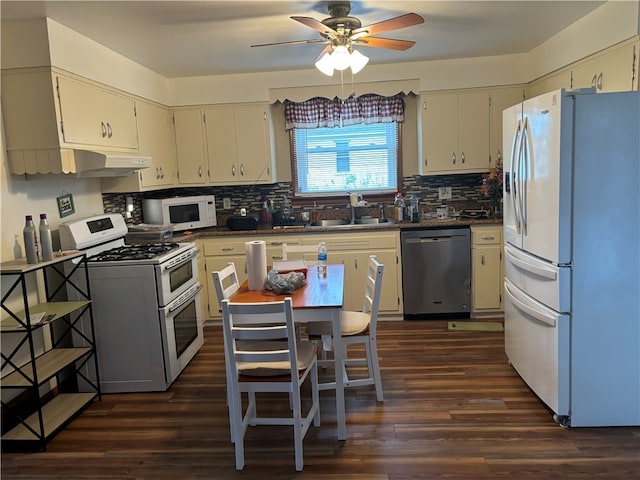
(436, 272)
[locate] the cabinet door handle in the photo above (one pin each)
(453, 158)
(462, 157)
(488, 238)
(161, 172)
(200, 171)
(242, 169)
(594, 80)
(276, 257)
(233, 170)
(227, 249)
(103, 127)
(599, 82)
(482, 258)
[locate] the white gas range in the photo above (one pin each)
(146, 304)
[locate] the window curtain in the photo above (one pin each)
(328, 113)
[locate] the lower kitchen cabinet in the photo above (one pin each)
(487, 269)
(353, 249)
(44, 382)
(221, 250)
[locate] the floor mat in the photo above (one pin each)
(477, 326)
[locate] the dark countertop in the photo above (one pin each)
(427, 224)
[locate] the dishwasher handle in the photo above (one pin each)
(443, 239)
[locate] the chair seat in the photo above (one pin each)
(351, 323)
(306, 354)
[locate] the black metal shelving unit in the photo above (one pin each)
(49, 359)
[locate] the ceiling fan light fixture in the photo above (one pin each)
(358, 61)
(341, 58)
(325, 65)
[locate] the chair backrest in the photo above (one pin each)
(300, 250)
(260, 321)
(226, 282)
(372, 291)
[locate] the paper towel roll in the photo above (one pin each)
(256, 263)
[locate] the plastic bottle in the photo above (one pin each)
(30, 240)
(322, 260)
(399, 207)
(415, 208)
(45, 238)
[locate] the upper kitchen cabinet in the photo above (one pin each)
(47, 114)
(501, 98)
(239, 146)
(157, 140)
(455, 132)
(614, 71)
(190, 146)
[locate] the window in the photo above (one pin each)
(361, 157)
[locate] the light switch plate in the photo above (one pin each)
(444, 193)
(226, 203)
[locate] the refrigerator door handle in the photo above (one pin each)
(525, 159)
(513, 176)
(529, 310)
(512, 257)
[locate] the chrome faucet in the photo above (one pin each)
(355, 200)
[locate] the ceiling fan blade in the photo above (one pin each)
(395, 23)
(326, 49)
(316, 25)
(390, 43)
(293, 42)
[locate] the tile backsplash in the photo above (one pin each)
(465, 193)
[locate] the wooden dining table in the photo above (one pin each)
(319, 300)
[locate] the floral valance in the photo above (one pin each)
(335, 112)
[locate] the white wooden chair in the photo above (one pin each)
(359, 327)
(274, 367)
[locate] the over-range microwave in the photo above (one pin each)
(184, 213)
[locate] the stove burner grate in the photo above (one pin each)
(134, 252)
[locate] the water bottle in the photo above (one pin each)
(399, 208)
(322, 260)
(45, 238)
(30, 240)
(415, 209)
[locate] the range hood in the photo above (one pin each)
(107, 164)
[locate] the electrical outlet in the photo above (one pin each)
(444, 193)
(226, 203)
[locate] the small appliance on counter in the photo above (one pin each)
(146, 233)
(243, 222)
(474, 213)
(184, 213)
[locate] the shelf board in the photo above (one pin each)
(59, 309)
(47, 365)
(19, 266)
(55, 413)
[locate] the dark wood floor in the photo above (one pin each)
(453, 409)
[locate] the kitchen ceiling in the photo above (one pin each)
(192, 38)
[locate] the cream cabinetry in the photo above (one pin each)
(613, 70)
(487, 270)
(224, 145)
(219, 251)
(353, 250)
(157, 140)
(239, 144)
(455, 132)
(47, 114)
(190, 146)
(501, 98)
(610, 72)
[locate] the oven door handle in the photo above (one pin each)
(180, 259)
(185, 297)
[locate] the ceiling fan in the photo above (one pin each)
(341, 33)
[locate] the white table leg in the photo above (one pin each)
(338, 352)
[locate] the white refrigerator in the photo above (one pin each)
(572, 253)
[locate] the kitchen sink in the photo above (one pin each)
(342, 223)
